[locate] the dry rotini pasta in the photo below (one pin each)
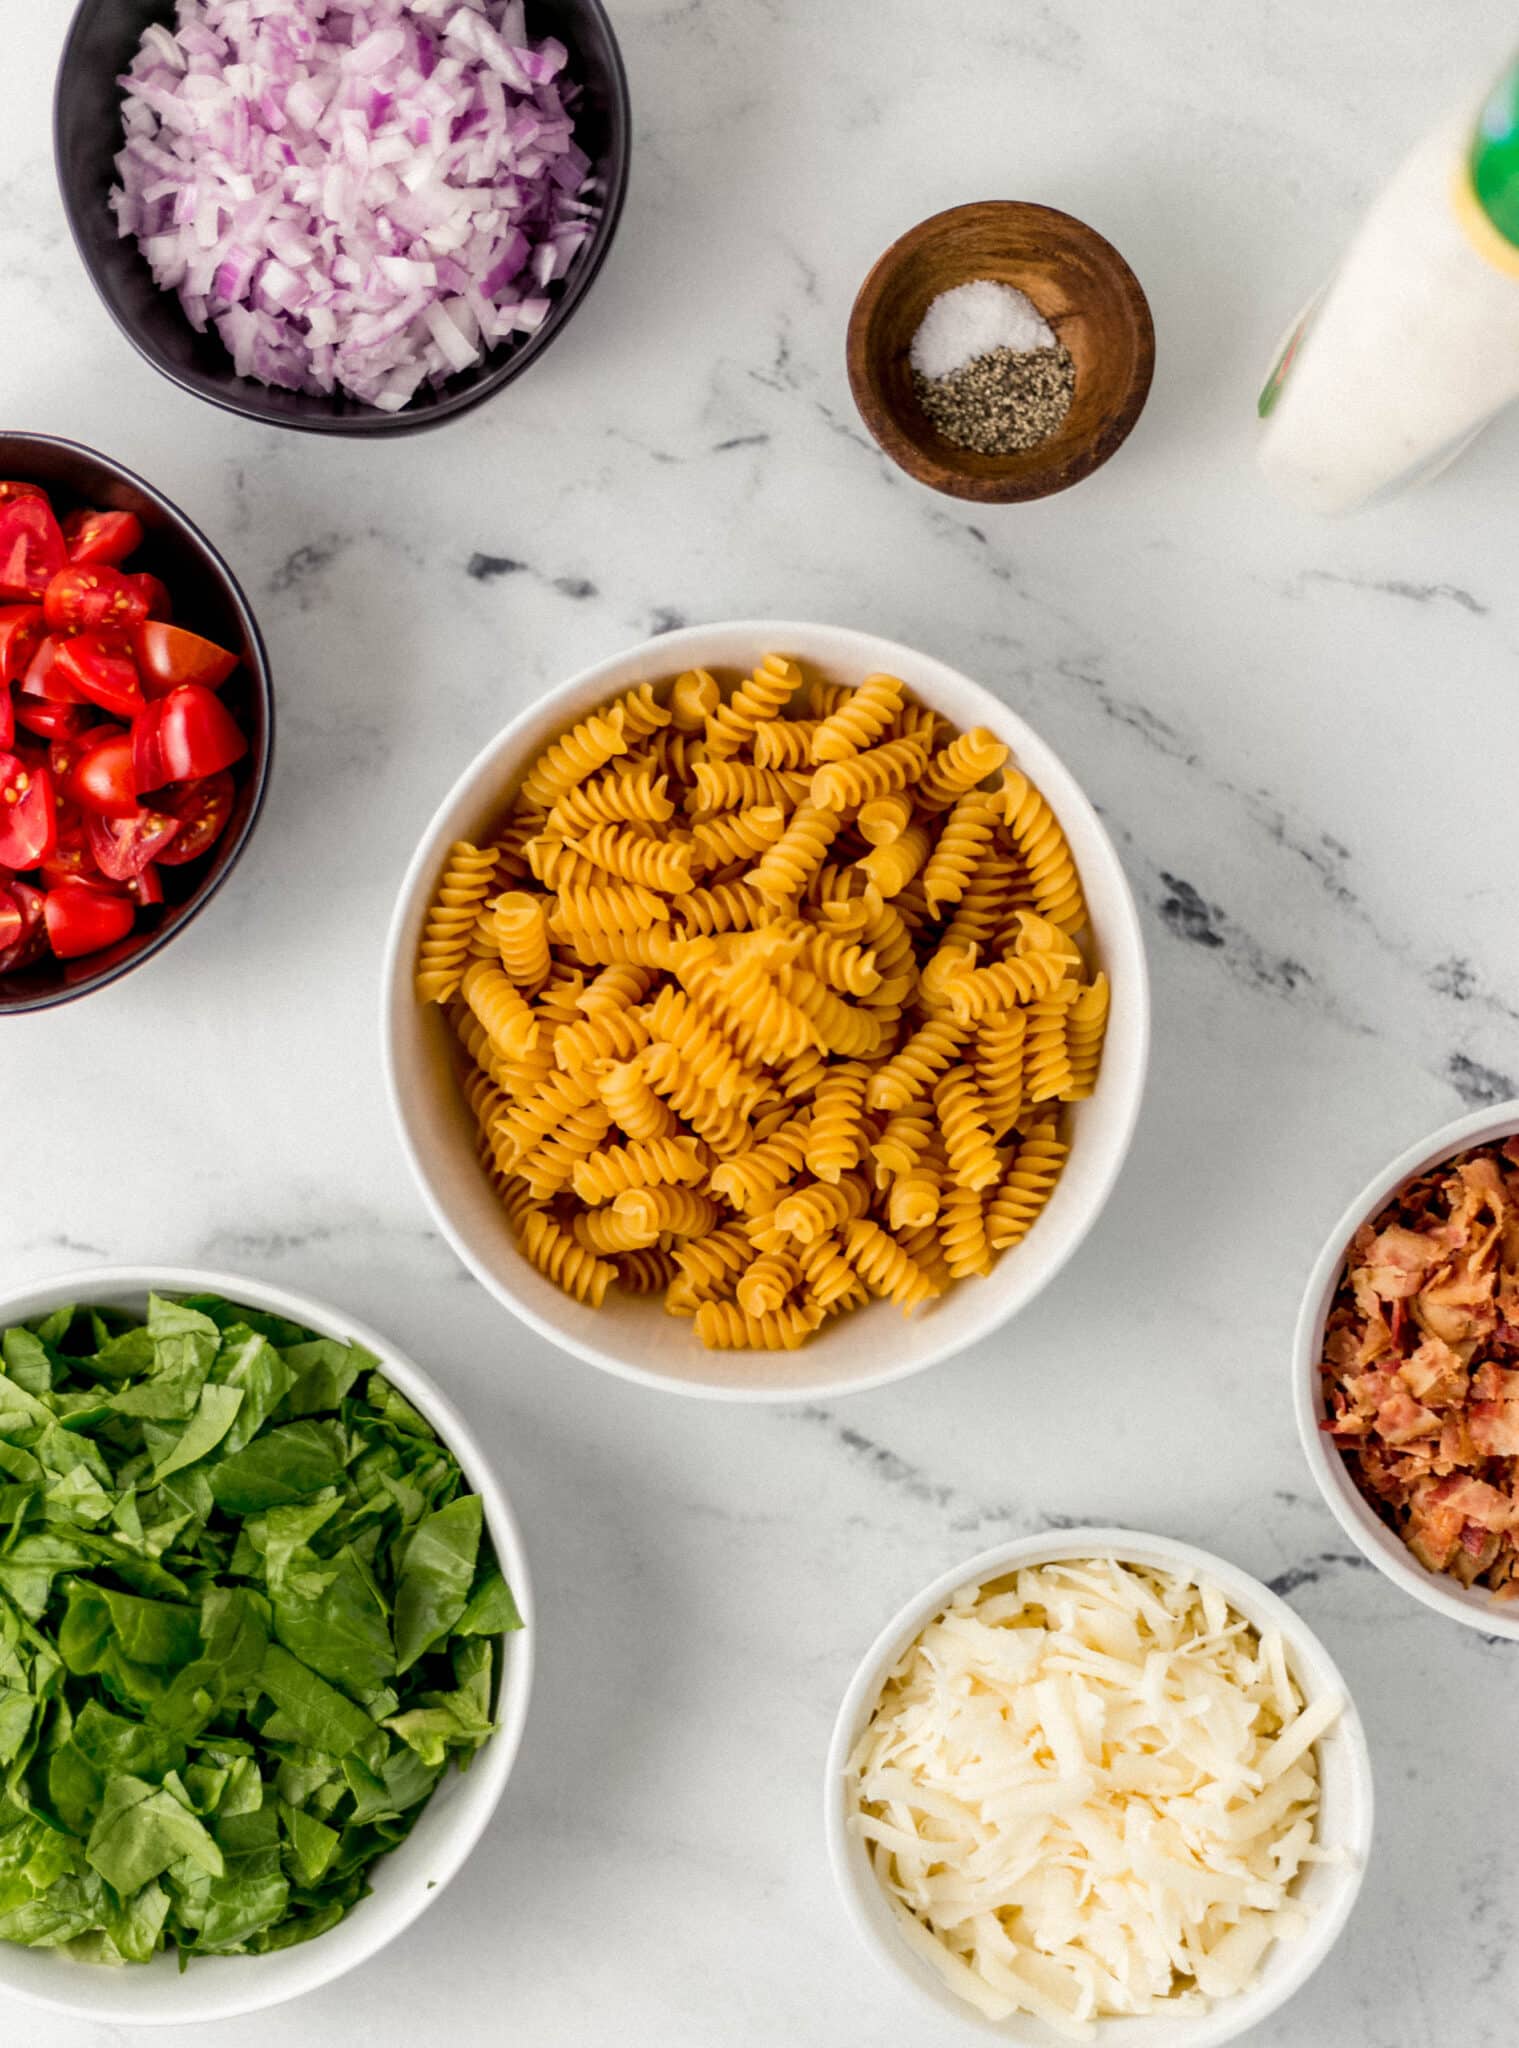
(768, 996)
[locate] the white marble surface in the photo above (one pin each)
(1303, 738)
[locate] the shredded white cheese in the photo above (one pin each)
(1087, 1789)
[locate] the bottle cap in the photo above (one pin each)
(1494, 158)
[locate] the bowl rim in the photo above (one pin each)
(263, 766)
(373, 423)
(495, 1760)
(951, 480)
(1473, 1608)
(1227, 2018)
(673, 649)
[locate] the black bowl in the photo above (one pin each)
(208, 601)
(87, 136)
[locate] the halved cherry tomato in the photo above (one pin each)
(101, 776)
(155, 595)
(43, 679)
(9, 489)
(123, 846)
(202, 809)
(167, 655)
(100, 677)
(12, 919)
(50, 721)
(82, 918)
(33, 939)
(28, 819)
(20, 637)
(71, 853)
(31, 547)
(197, 734)
(146, 888)
(84, 600)
(7, 721)
(102, 536)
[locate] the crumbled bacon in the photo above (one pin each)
(1420, 1366)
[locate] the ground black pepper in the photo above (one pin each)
(1002, 401)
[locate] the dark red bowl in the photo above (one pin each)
(208, 600)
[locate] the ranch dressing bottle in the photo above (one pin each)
(1413, 345)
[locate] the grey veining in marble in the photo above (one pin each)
(1303, 738)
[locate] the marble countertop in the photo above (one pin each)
(1302, 738)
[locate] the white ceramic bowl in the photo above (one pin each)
(1328, 1890)
(635, 1338)
(1473, 1606)
(412, 1876)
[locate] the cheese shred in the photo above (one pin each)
(1087, 1790)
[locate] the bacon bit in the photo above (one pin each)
(1421, 1390)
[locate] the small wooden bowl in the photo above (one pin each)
(1081, 285)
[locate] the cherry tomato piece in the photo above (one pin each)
(12, 920)
(155, 595)
(168, 655)
(85, 600)
(44, 679)
(99, 676)
(197, 734)
(93, 537)
(50, 721)
(202, 809)
(122, 847)
(31, 547)
(82, 918)
(28, 817)
(101, 777)
(33, 938)
(146, 889)
(9, 489)
(20, 637)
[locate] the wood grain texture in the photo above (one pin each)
(1080, 284)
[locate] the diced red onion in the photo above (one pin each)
(367, 200)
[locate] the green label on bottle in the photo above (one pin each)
(1494, 157)
(1281, 369)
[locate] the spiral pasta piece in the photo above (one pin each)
(883, 819)
(450, 922)
(969, 758)
(585, 748)
(724, 1127)
(609, 907)
(662, 864)
(674, 1018)
(631, 1102)
(962, 1230)
(836, 1135)
(737, 785)
(963, 1124)
(1029, 1183)
(827, 1276)
(860, 719)
(637, 796)
(552, 1163)
(885, 1268)
(653, 1210)
(580, 1273)
(610, 1035)
(764, 1285)
(890, 867)
(1086, 1023)
(997, 1057)
(723, 1326)
(647, 1271)
(974, 992)
(784, 742)
(1036, 833)
(501, 1008)
(914, 1198)
(962, 844)
(907, 1136)
(821, 1206)
(731, 726)
(737, 835)
(523, 937)
(694, 696)
(748, 1181)
(557, 865)
(1046, 1061)
(656, 1162)
(913, 1071)
(845, 785)
(523, 1125)
(797, 855)
(710, 1265)
(642, 713)
(838, 1025)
